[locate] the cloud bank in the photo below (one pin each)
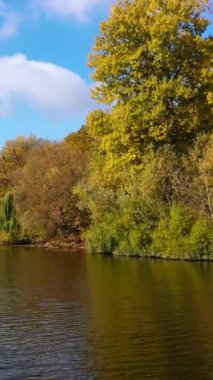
(11, 19)
(79, 9)
(58, 93)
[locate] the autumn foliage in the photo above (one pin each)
(137, 179)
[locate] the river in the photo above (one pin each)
(72, 315)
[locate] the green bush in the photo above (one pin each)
(4, 237)
(201, 239)
(122, 231)
(183, 235)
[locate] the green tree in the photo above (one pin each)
(9, 226)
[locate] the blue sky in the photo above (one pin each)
(44, 78)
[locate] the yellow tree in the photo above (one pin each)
(152, 64)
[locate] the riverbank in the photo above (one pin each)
(168, 258)
(73, 241)
(83, 245)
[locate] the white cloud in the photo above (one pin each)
(11, 17)
(79, 9)
(55, 91)
(10, 21)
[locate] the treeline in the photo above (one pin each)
(138, 178)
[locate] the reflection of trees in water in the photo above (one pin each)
(104, 317)
(152, 317)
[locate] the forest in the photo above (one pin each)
(137, 178)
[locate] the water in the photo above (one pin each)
(74, 316)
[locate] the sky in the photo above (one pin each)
(44, 79)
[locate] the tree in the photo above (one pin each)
(14, 156)
(80, 140)
(152, 66)
(194, 184)
(9, 226)
(46, 204)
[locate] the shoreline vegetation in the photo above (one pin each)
(85, 247)
(137, 178)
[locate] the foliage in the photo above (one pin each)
(152, 65)
(154, 146)
(46, 205)
(125, 230)
(14, 156)
(151, 209)
(38, 202)
(195, 185)
(80, 140)
(201, 239)
(9, 226)
(137, 179)
(5, 238)
(183, 235)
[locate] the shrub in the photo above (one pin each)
(201, 239)
(183, 234)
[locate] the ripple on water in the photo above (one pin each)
(75, 316)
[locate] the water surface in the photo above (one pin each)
(74, 316)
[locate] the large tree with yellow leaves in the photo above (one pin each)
(152, 65)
